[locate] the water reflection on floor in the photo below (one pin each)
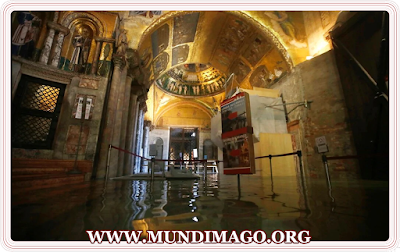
(359, 211)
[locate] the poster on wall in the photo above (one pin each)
(238, 148)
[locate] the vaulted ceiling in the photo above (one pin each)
(202, 55)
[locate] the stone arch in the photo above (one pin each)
(71, 17)
(181, 103)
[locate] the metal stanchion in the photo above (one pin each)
(239, 190)
(153, 161)
(272, 180)
(108, 161)
(325, 161)
(205, 169)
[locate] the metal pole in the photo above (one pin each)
(108, 161)
(272, 180)
(325, 160)
(153, 160)
(205, 170)
(239, 190)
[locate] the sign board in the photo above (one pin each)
(321, 144)
(235, 116)
(238, 148)
(79, 108)
(238, 155)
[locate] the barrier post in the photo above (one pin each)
(153, 161)
(205, 169)
(325, 161)
(108, 160)
(272, 179)
(239, 190)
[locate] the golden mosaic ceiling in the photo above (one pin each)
(192, 54)
(192, 80)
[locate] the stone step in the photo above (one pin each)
(35, 170)
(67, 164)
(44, 181)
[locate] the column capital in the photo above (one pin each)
(147, 123)
(119, 61)
(58, 27)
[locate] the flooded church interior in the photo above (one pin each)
(200, 120)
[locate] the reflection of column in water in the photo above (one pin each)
(139, 195)
(159, 211)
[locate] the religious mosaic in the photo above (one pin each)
(160, 63)
(26, 29)
(192, 80)
(160, 40)
(257, 49)
(185, 28)
(180, 54)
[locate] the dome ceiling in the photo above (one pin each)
(192, 80)
(192, 54)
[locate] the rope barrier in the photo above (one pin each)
(281, 155)
(201, 160)
(128, 152)
(167, 160)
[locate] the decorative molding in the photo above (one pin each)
(45, 72)
(50, 73)
(102, 39)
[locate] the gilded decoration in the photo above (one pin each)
(257, 49)
(185, 28)
(240, 70)
(71, 17)
(192, 80)
(180, 54)
(237, 44)
(261, 77)
(160, 63)
(160, 40)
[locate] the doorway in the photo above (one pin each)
(182, 142)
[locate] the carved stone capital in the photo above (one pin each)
(119, 61)
(143, 106)
(58, 27)
(147, 123)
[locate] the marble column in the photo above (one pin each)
(50, 47)
(58, 46)
(145, 145)
(95, 63)
(111, 124)
(45, 54)
(131, 128)
(139, 138)
(124, 123)
(117, 126)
